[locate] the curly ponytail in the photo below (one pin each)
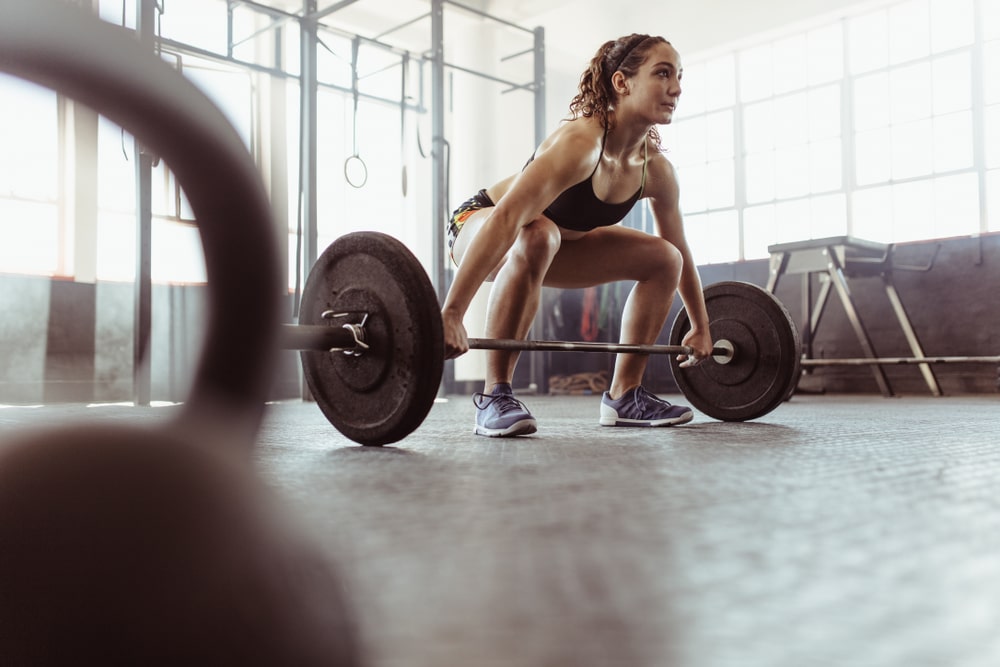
(596, 95)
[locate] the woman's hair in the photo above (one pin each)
(597, 96)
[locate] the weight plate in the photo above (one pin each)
(384, 394)
(765, 365)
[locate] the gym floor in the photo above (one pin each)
(837, 530)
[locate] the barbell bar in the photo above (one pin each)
(890, 361)
(349, 338)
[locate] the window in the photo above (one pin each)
(867, 125)
(30, 239)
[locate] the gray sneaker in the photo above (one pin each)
(501, 415)
(638, 407)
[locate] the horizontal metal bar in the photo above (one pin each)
(315, 337)
(563, 346)
(490, 77)
(401, 26)
(889, 361)
(174, 47)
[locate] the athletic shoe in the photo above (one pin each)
(638, 407)
(500, 414)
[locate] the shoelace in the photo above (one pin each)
(505, 402)
(643, 398)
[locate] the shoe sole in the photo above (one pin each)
(674, 421)
(523, 427)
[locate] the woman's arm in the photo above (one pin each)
(566, 158)
(664, 199)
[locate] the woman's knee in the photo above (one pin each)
(537, 243)
(661, 261)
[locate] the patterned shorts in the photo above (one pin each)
(478, 201)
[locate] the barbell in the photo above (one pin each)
(372, 344)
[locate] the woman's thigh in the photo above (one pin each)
(608, 254)
(470, 228)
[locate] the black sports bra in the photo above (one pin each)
(579, 209)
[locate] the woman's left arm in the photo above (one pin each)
(663, 193)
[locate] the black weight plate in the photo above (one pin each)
(765, 365)
(384, 394)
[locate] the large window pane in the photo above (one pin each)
(872, 163)
(177, 253)
(791, 220)
(825, 57)
(993, 200)
(952, 143)
(721, 77)
(719, 135)
(200, 23)
(952, 83)
(990, 18)
(909, 92)
(721, 185)
(758, 126)
(912, 211)
(29, 140)
(792, 118)
(690, 144)
(956, 205)
(951, 24)
(825, 166)
(694, 86)
(758, 231)
(992, 128)
(29, 237)
(791, 172)
(909, 31)
(828, 216)
(231, 90)
(116, 246)
(760, 177)
(694, 188)
(991, 72)
(824, 113)
(867, 44)
(756, 73)
(871, 101)
(714, 237)
(872, 214)
(790, 63)
(910, 154)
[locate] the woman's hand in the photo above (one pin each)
(700, 340)
(456, 340)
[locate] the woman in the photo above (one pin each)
(555, 224)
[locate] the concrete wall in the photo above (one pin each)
(63, 341)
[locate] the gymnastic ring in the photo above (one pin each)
(347, 171)
(110, 71)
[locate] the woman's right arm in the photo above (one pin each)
(561, 162)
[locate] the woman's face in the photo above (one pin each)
(656, 87)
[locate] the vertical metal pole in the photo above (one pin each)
(439, 173)
(539, 48)
(143, 325)
(308, 91)
(536, 372)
